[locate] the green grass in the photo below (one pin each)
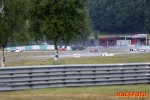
(27, 59)
(77, 93)
(132, 58)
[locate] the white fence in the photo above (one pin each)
(15, 78)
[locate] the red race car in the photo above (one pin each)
(94, 50)
(62, 48)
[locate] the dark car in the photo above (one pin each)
(77, 48)
(133, 49)
(13, 50)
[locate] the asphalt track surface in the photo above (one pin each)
(87, 53)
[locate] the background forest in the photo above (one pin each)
(120, 16)
(105, 16)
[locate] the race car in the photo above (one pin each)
(94, 50)
(141, 50)
(77, 47)
(62, 48)
(16, 50)
(106, 54)
(133, 49)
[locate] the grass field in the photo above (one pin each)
(77, 93)
(27, 59)
(74, 93)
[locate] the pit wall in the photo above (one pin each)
(36, 47)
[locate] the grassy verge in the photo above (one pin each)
(77, 93)
(133, 58)
(26, 59)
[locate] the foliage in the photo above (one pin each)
(120, 16)
(65, 19)
(96, 34)
(14, 21)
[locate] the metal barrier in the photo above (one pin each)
(15, 78)
(36, 47)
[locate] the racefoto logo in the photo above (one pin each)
(132, 94)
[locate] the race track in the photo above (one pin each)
(87, 53)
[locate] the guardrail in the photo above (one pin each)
(15, 78)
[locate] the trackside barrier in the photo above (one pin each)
(36, 47)
(16, 78)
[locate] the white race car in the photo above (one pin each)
(16, 50)
(106, 54)
(141, 50)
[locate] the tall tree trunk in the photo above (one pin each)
(3, 57)
(56, 50)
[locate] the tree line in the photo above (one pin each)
(120, 16)
(110, 16)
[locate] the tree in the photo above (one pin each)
(96, 34)
(58, 20)
(2, 35)
(12, 21)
